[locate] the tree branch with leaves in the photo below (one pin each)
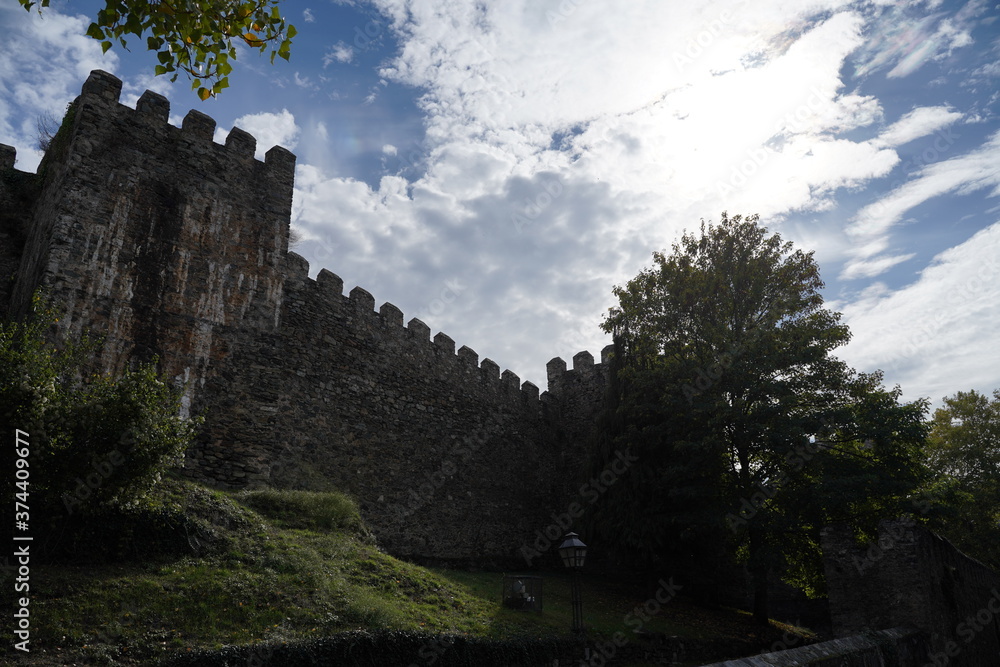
(198, 37)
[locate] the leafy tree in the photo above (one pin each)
(963, 451)
(93, 440)
(729, 390)
(198, 37)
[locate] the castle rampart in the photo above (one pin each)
(171, 245)
(910, 576)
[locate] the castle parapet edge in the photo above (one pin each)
(171, 245)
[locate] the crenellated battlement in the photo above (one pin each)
(329, 288)
(173, 246)
(197, 131)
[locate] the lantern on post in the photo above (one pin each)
(573, 552)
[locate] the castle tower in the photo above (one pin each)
(128, 206)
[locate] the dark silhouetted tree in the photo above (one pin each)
(750, 433)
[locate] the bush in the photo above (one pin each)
(93, 440)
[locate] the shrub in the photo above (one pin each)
(93, 440)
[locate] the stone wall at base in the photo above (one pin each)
(910, 576)
(896, 647)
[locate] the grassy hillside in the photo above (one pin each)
(280, 567)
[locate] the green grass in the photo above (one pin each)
(304, 509)
(288, 565)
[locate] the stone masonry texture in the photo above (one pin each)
(173, 247)
(910, 576)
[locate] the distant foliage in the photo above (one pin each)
(963, 453)
(94, 440)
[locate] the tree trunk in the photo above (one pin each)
(758, 575)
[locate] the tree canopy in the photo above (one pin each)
(751, 434)
(963, 453)
(199, 37)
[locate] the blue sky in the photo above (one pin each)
(494, 168)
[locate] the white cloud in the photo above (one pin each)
(43, 61)
(939, 334)
(503, 82)
(305, 82)
(964, 174)
(906, 36)
(340, 53)
(270, 129)
(133, 89)
(307, 15)
(702, 109)
(918, 123)
(869, 268)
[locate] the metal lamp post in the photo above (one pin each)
(573, 551)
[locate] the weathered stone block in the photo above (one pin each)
(582, 360)
(444, 343)
(153, 107)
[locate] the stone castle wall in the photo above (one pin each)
(910, 576)
(170, 245)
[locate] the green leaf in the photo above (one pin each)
(160, 69)
(291, 32)
(95, 31)
(204, 93)
(105, 46)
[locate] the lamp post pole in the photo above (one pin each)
(573, 552)
(577, 603)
